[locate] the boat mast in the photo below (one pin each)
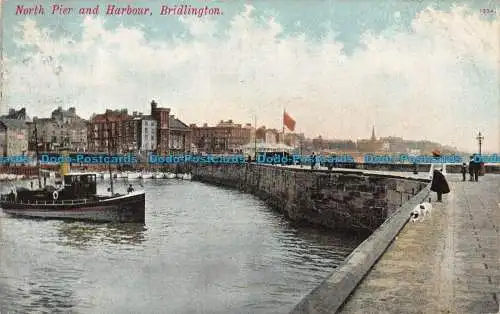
(37, 156)
(109, 156)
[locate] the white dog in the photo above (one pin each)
(421, 211)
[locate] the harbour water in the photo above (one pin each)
(204, 249)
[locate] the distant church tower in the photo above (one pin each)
(373, 134)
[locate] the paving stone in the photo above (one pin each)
(453, 277)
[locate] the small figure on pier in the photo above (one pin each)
(12, 195)
(130, 189)
(477, 167)
(31, 183)
(464, 171)
(313, 161)
(439, 185)
(471, 169)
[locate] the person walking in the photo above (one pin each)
(439, 185)
(313, 161)
(477, 166)
(471, 169)
(464, 171)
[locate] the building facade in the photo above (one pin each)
(224, 137)
(179, 137)
(17, 114)
(63, 128)
(109, 131)
(159, 132)
(140, 133)
(45, 134)
(162, 118)
(13, 137)
(148, 133)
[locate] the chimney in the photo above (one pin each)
(205, 125)
(134, 113)
(192, 125)
(154, 105)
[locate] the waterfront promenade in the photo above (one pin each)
(449, 263)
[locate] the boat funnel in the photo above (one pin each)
(64, 168)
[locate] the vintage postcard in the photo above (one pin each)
(252, 156)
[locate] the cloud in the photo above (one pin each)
(438, 82)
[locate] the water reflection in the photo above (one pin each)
(39, 298)
(84, 235)
(206, 250)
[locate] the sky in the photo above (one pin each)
(414, 69)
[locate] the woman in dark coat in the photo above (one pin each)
(439, 185)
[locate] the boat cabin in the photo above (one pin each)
(78, 185)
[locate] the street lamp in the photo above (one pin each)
(480, 138)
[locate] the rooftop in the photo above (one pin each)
(177, 124)
(13, 123)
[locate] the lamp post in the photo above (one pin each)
(480, 138)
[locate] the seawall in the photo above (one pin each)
(342, 201)
(331, 294)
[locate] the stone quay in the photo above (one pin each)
(352, 201)
(449, 263)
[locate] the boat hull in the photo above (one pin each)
(128, 208)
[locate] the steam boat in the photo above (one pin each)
(76, 199)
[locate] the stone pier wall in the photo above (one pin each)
(341, 201)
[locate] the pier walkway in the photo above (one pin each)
(449, 263)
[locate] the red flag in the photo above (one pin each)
(288, 121)
(436, 153)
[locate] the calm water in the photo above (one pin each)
(203, 250)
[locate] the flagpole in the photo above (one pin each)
(283, 124)
(255, 138)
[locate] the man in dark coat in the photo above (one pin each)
(477, 167)
(471, 169)
(439, 185)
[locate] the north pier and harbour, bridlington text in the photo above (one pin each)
(59, 9)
